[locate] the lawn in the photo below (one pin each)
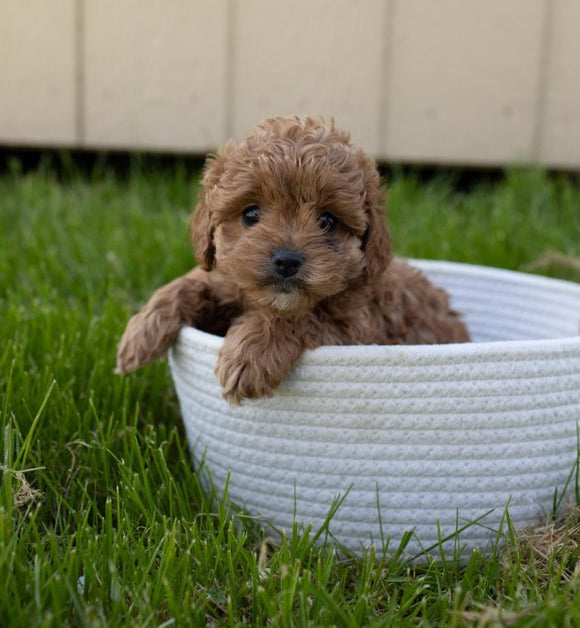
(102, 518)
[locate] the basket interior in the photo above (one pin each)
(502, 305)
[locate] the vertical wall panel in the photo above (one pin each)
(560, 123)
(310, 57)
(155, 73)
(37, 72)
(448, 81)
(463, 82)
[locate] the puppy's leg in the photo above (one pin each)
(258, 352)
(198, 298)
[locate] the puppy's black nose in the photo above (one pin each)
(287, 262)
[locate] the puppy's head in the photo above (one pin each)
(292, 214)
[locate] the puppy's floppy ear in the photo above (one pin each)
(376, 240)
(200, 225)
(201, 231)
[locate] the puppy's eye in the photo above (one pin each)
(251, 215)
(328, 222)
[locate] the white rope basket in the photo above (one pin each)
(425, 438)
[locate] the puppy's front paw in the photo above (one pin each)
(242, 379)
(147, 337)
(134, 348)
(127, 359)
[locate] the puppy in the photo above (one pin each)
(293, 252)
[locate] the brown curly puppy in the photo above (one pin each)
(293, 253)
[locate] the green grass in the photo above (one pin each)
(103, 521)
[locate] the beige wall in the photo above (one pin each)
(487, 82)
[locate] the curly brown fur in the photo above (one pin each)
(293, 253)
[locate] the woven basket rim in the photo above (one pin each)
(331, 353)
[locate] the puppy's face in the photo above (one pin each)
(288, 213)
(288, 249)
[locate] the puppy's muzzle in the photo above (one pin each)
(286, 263)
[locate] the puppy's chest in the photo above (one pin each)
(350, 326)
